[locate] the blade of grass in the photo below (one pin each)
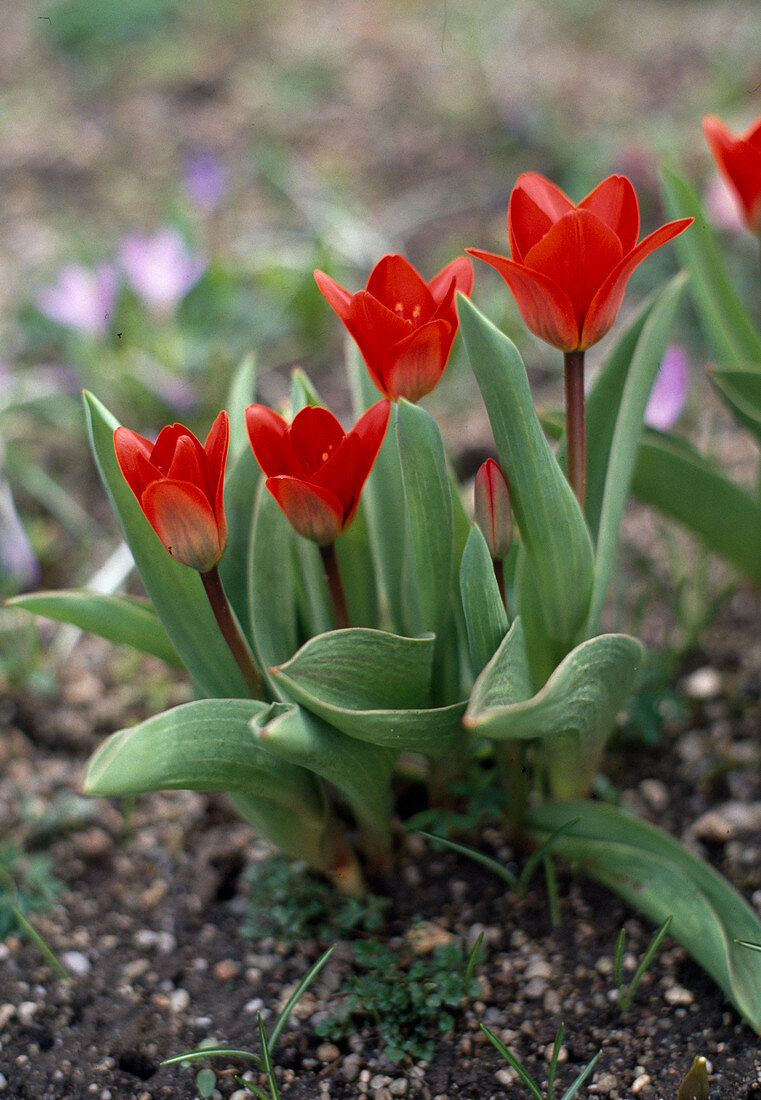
(213, 1052)
(543, 850)
(524, 1075)
(477, 857)
(41, 945)
(306, 981)
(618, 961)
(554, 1060)
(647, 958)
(267, 1058)
(473, 959)
(553, 900)
(574, 1088)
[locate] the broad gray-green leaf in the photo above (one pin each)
(122, 619)
(361, 771)
(673, 477)
(241, 487)
(656, 875)
(582, 696)
(740, 389)
(485, 613)
(355, 560)
(383, 494)
(373, 686)
(239, 397)
(206, 745)
(725, 319)
(547, 513)
(626, 436)
(272, 588)
(175, 590)
(430, 521)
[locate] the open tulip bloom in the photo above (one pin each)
(738, 158)
(403, 326)
(372, 630)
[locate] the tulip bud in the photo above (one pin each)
(492, 507)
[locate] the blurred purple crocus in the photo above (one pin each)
(81, 299)
(669, 392)
(206, 179)
(18, 562)
(722, 206)
(160, 268)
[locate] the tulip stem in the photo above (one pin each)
(499, 576)
(575, 428)
(231, 632)
(335, 585)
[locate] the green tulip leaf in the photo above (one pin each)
(206, 745)
(430, 521)
(373, 686)
(175, 590)
(272, 584)
(382, 496)
(485, 613)
(241, 487)
(582, 696)
(122, 619)
(740, 389)
(644, 367)
(360, 771)
(355, 562)
(239, 397)
(660, 878)
(552, 528)
(672, 476)
(725, 319)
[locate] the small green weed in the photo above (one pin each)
(526, 1077)
(406, 1003)
(286, 902)
(626, 996)
(27, 885)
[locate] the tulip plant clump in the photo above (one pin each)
(346, 625)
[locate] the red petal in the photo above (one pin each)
(369, 431)
(614, 202)
(314, 435)
(398, 286)
(753, 134)
(215, 448)
(535, 204)
(183, 519)
(337, 297)
(577, 254)
(607, 302)
(375, 329)
(461, 270)
(128, 445)
(267, 434)
(314, 512)
(413, 366)
(740, 163)
(165, 445)
(545, 308)
(189, 465)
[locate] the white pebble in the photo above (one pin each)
(179, 1000)
(703, 683)
(678, 995)
(76, 963)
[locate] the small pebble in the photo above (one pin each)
(607, 1083)
(76, 963)
(3, 1082)
(350, 1067)
(678, 995)
(655, 793)
(26, 1011)
(226, 970)
(179, 1000)
(535, 989)
(703, 683)
(640, 1083)
(328, 1052)
(7, 1012)
(398, 1087)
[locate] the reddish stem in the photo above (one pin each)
(335, 585)
(231, 632)
(575, 427)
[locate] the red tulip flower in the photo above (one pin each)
(403, 326)
(739, 161)
(570, 264)
(315, 470)
(179, 486)
(492, 508)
